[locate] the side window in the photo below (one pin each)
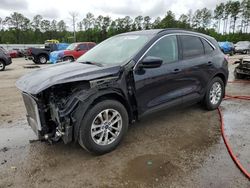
(83, 47)
(208, 48)
(191, 46)
(166, 48)
(91, 45)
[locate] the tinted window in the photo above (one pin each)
(166, 48)
(191, 46)
(208, 48)
(83, 46)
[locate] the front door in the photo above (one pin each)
(160, 87)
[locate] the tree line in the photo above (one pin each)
(228, 21)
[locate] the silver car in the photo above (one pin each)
(242, 47)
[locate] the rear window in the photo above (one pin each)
(207, 47)
(191, 46)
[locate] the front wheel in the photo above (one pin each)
(214, 94)
(103, 127)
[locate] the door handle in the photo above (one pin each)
(209, 63)
(175, 71)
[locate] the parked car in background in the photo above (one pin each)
(243, 69)
(242, 47)
(5, 59)
(41, 55)
(227, 47)
(72, 52)
(119, 81)
(13, 53)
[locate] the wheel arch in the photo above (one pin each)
(87, 103)
(69, 56)
(222, 76)
(43, 54)
(2, 60)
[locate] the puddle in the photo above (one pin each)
(150, 169)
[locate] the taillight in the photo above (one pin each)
(226, 57)
(29, 51)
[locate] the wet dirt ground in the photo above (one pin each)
(175, 148)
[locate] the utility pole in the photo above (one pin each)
(74, 18)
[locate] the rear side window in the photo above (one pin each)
(207, 47)
(83, 46)
(191, 46)
(166, 49)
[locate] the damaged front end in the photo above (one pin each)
(243, 69)
(50, 113)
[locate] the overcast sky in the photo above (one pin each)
(59, 9)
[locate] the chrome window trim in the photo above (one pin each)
(171, 34)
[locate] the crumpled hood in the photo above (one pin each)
(41, 79)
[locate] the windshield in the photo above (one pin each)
(72, 46)
(115, 50)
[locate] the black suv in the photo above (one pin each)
(127, 76)
(5, 59)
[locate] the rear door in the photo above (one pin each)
(197, 66)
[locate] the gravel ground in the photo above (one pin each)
(174, 148)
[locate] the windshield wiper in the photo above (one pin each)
(92, 63)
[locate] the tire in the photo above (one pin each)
(42, 59)
(213, 98)
(87, 136)
(71, 59)
(2, 66)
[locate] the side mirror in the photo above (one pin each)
(151, 62)
(78, 49)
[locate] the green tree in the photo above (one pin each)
(138, 22)
(17, 22)
(245, 7)
(168, 21)
(234, 11)
(36, 22)
(61, 25)
(146, 22)
(218, 14)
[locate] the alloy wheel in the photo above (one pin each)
(215, 93)
(106, 127)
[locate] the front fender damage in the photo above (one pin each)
(69, 117)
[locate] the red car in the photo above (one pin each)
(13, 53)
(72, 52)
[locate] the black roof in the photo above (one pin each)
(164, 31)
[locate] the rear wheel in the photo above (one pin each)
(2, 65)
(103, 127)
(42, 59)
(214, 94)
